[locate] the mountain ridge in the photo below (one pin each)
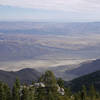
(26, 75)
(87, 80)
(85, 68)
(49, 28)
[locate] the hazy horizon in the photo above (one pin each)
(50, 11)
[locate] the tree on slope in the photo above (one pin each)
(16, 90)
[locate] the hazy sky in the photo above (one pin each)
(50, 10)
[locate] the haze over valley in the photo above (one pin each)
(36, 45)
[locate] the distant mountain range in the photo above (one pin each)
(25, 76)
(85, 68)
(69, 72)
(49, 28)
(28, 75)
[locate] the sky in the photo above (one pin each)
(50, 10)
